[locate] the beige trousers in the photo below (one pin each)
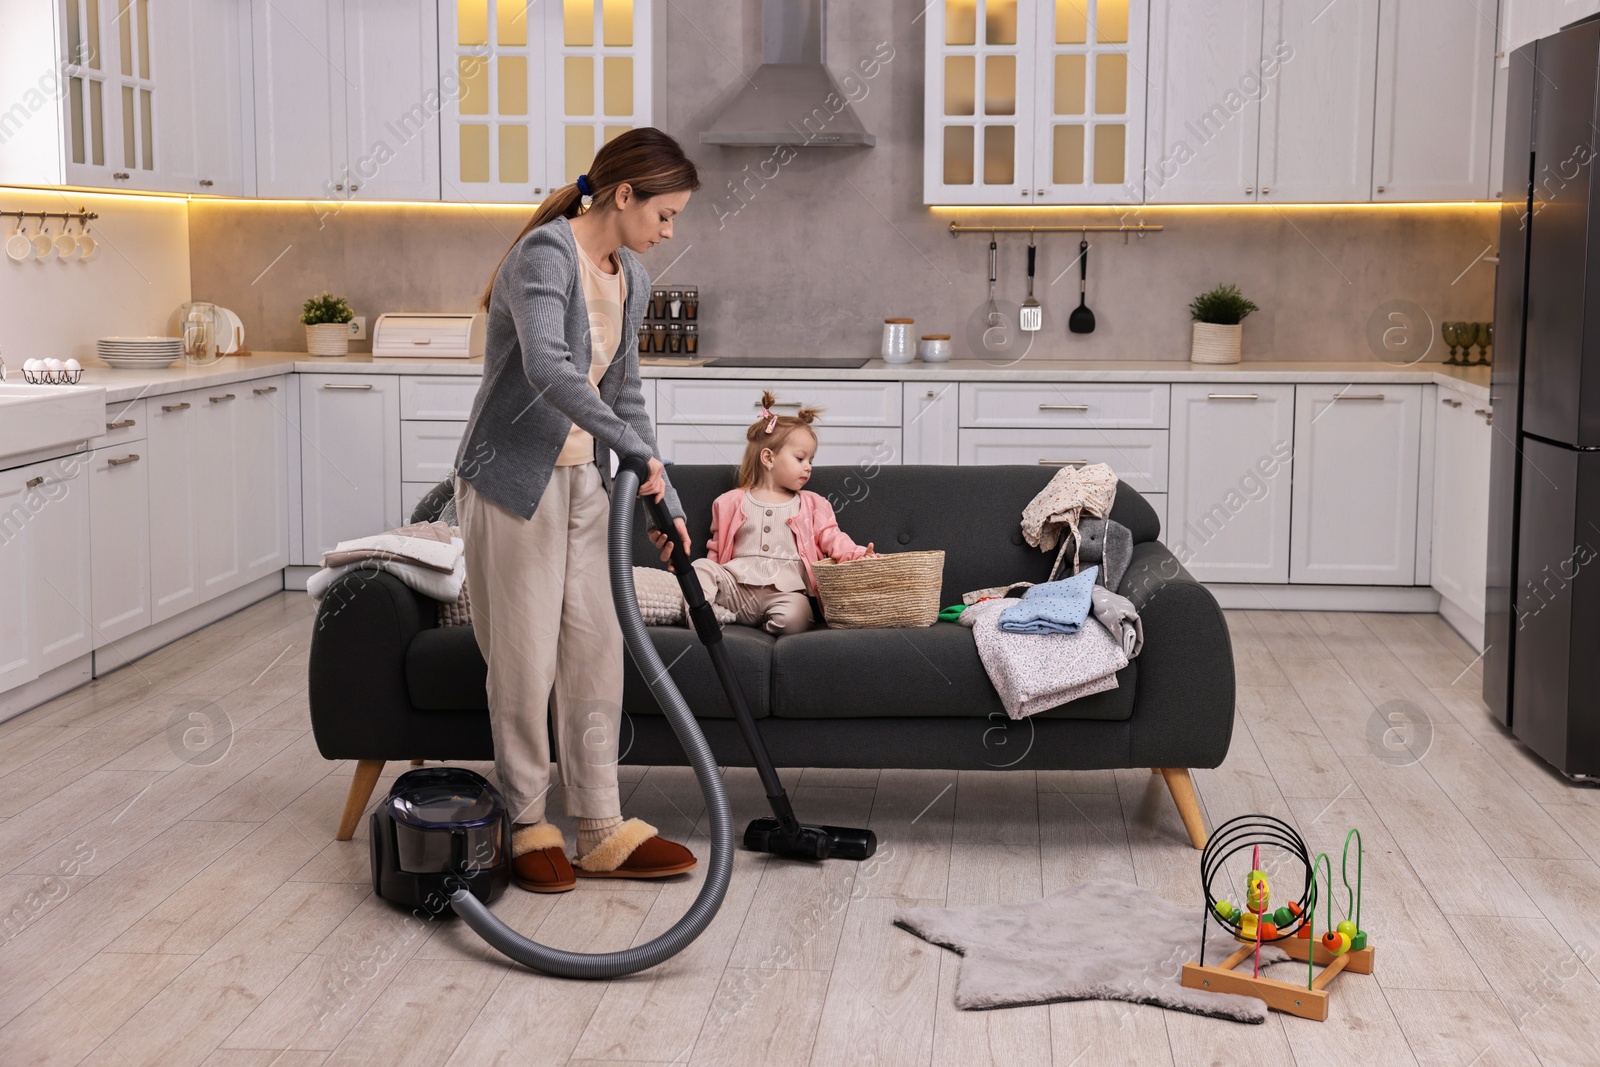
(543, 618)
(753, 605)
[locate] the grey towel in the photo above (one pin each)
(1107, 543)
(1117, 614)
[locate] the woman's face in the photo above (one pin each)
(646, 223)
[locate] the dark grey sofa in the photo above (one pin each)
(387, 683)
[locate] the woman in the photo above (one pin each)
(560, 392)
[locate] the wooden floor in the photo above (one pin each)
(167, 910)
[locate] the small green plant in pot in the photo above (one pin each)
(326, 319)
(1218, 324)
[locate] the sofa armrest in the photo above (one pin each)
(360, 707)
(1183, 709)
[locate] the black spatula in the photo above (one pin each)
(1082, 319)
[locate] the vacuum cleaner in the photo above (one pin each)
(441, 839)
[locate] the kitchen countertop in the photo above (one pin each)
(1471, 382)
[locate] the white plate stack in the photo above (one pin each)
(140, 352)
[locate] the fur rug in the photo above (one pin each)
(1100, 940)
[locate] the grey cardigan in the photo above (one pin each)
(536, 375)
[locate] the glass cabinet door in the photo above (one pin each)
(491, 85)
(980, 102)
(93, 103)
(1090, 146)
(598, 80)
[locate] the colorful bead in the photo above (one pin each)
(1283, 917)
(1336, 943)
(1347, 928)
(1358, 942)
(1269, 932)
(1225, 909)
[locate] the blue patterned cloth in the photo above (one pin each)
(1052, 607)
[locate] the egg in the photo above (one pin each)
(52, 364)
(33, 364)
(72, 364)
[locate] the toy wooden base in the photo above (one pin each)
(1289, 997)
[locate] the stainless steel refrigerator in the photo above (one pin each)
(1541, 673)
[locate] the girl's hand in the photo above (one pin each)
(659, 539)
(870, 553)
(656, 484)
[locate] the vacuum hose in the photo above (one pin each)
(624, 491)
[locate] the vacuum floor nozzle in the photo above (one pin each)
(810, 842)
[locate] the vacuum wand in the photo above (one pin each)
(783, 834)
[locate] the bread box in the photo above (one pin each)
(439, 336)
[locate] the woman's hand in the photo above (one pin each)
(659, 539)
(656, 484)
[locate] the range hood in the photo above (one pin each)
(790, 99)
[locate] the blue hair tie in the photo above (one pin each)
(584, 188)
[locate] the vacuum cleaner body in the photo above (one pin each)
(440, 829)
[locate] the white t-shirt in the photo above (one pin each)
(604, 294)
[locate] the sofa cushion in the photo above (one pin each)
(446, 672)
(912, 673)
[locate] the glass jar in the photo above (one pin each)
(199, 326)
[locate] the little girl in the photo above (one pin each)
(766, 534)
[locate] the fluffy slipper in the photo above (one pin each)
(539, 859)
(633, 850)
(541, 835)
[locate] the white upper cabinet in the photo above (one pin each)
(347, 99)
(1033, 101)
(1209, 70)
(1434, 104)
(531, 90)
(204, 134)
(1316, 126)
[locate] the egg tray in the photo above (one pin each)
(52, 377)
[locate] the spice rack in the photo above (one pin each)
(671, 322)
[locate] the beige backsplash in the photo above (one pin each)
(812, 259)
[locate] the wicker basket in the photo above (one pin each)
(899, 589)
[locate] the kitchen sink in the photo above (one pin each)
(33, 417)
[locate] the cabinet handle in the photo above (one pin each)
(1488, 416)
(1038, 192)
(34, 483)
(264, 392)
(1249, 190)
(354, 186)
(121, 175)
(1063, 463)
(1063, 407)
(1452, 403)
(1265, 190)
(780, 403)
(132, 457)
(120, 425)
(1233, 396)
(218, 399)
(1380, 188)
(206, 183)
(339, 187)
(930, 394)
(1359, 396)
(176, 407)
(425, 341)
(537, 189)
(332, 385)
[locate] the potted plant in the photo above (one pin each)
(325, 319)
(1218, 316)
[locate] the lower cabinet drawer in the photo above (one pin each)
(1138, 456)
(841, 446)
(428, 449)
(125, 422)
(447, 396)
(1065, 404)
(737, 402)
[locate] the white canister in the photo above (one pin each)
(897, 341)
(934, 348)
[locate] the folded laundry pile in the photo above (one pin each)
(1035, 671)
(430, 557)
(1051, 607)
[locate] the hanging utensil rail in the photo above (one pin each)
(958, 228)
(64, 216)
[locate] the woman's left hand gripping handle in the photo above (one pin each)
(655, 487)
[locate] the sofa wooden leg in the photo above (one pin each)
(1181, 786)
(416, 763)
(355, 802)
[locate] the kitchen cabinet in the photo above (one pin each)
(1354, 503)
(1209, 70)
(1522, 21)
(839, 446)
(1138, 456)
(215, 489)
(173, 441)
(1316, 127)
(1028, 102)
(44, 568)
(261, 471)
(119, 527)
(18, 660)
(530, 91)
(1229, 487)
(1434, 102)
(931, 421)
(1462, 434)
(204, 136)
(349, 458)
(347, 99)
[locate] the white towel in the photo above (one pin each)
(439, 555)
(425, 580)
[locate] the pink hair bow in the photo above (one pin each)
(771, 417)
